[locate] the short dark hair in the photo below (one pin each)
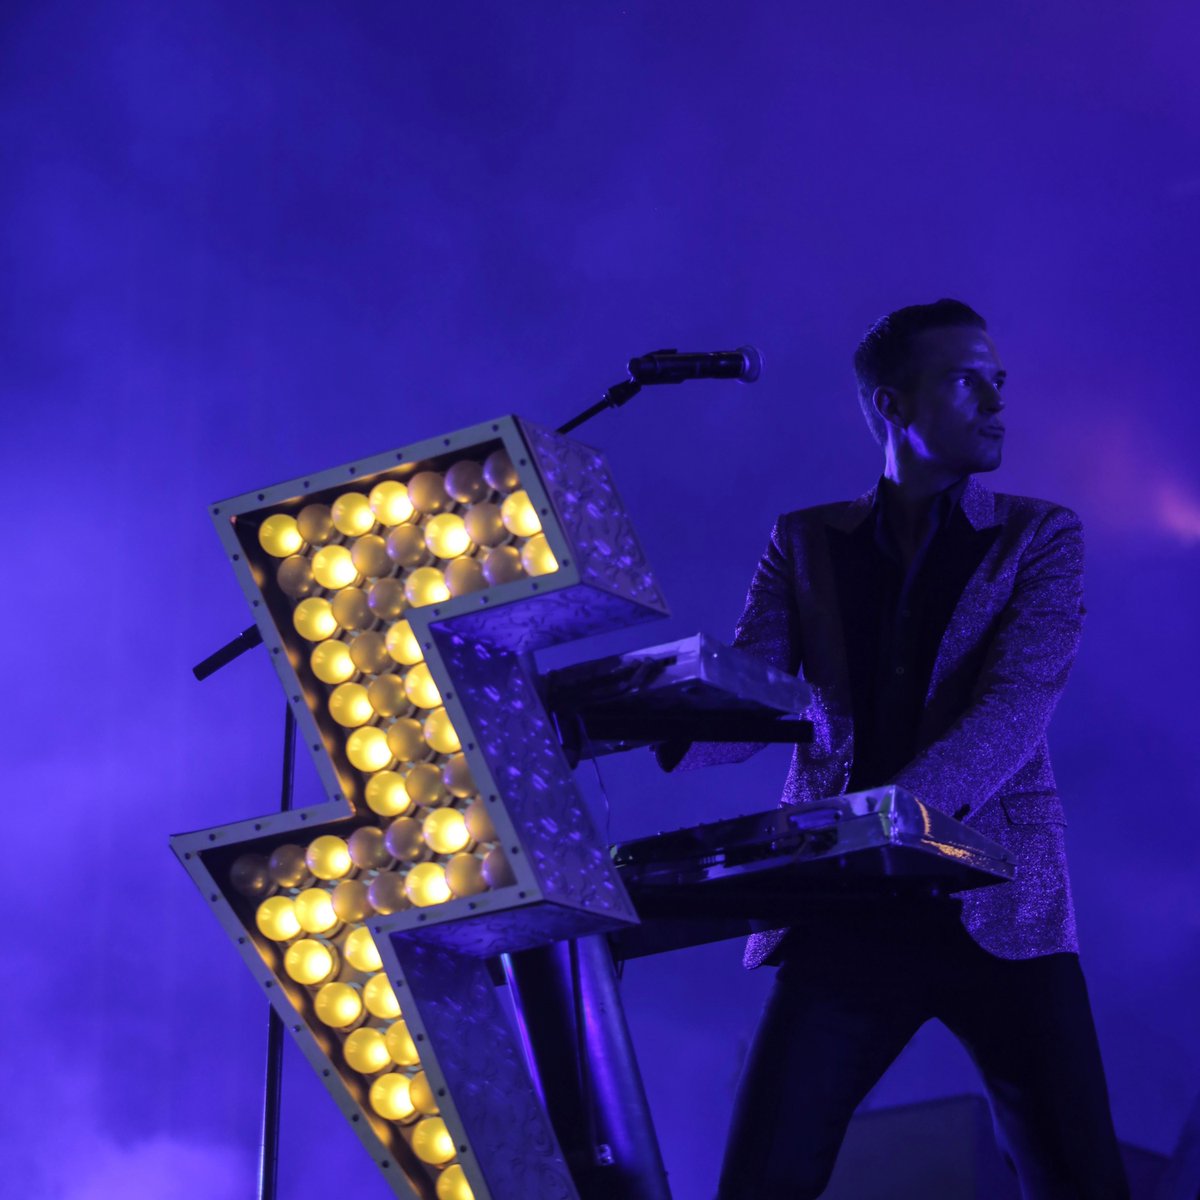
(884, 357)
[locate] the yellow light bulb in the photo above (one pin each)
(390, 1099)
(518, 514)
(422, 1094)
(338, 1005)
(422, 691)
(424, 784)
(432, 1142)
(452, 1184)
(536, 556)
(387, 695)
(406, 547)
(352, 514)
(309, 961)
(464, 575)
(386, 794)
(314, 910)
(314, 619)
(295, 577)
(464, 874)
(279, 535)
(426, 885)
(351, 610)
(457, 777)
(365, 1051)
(390, 503)
(387, 599)
(333, 567)
(439, 732)
(331, 662)
(276, 919)
(351, 901)
(315, 522)
(499, 471)
(360, 950)
(446, 535)
(484, 524)
(428, 493)
(426, 585)
(503, 565)
(379, 998)
(367, 749)
(369, 653)
(328, 857)
(402, 644)
(400, 1045)
(350, 706)
(404, 739)
(445, 831)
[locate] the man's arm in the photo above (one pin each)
(1025, 672)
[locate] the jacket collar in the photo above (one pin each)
(978, 505)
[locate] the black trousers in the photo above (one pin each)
(852, 989)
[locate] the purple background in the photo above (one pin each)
(243, 242)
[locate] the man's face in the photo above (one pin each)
(953, 404)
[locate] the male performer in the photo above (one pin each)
(936, 623)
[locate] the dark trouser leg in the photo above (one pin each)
(1028, 1025)
(818, 1050)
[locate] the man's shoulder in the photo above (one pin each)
(1031, 510)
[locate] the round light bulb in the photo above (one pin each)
(536, 556)
(497, 870)
(503, 565)
(333, 567)
(361, 952)
(484, 524)
(328, 857)
(351, 901)
(388, 895)
(422, 691)
(390, 503)
(499, 471)
(426, 585)
(387, 695)
(390, 1097)
(445, 831)
(331, 661)
(367, 850)
(249, 877)
(426, 885)
(428, 493)
(309, 961)
(279, 535)
(465, 482)
(370, 556)
(314, 910)
(314, 619)
(464, 874)
(352, 514)
(431, 1141)
(452, 1184)
(386, 794)
(457, 777)
(295, 577)
(464, 575)
(338, 1005)
(403, 839)
(367, 749)
(386, 599)
(446, 535)
(315, 523)
(518, 514)
(406, 547)
(422, 1094)
(351, 610)
(439, 732)
(405, 740)
(276, 919)
(400, 1045)
(287, 865)
(365, 1051)
(350, 706)
(402, 644)
(369, 653)
(424, 784)
(379, 998)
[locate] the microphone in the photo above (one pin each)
(669, 366)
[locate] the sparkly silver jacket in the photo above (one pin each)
(999, 671)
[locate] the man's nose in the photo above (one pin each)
(992, 400)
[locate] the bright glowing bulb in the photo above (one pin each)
(369, 653)
(351, 901)
(439, 732)
(446, 535)
(367, 749)
(536, 556)
(400, 1045)
(333, 567)
(350, 706)
(389, 1097)
(424, 784)
(390, 503)
(457, 777)
(338, 1005)
(279, 535)
(402, 644)
(314, 619)
(366, 1051)
(370, 556)
(379, 998)
(287, 865)
(426, 885)
(331, 662)
(406, 547)
(484, 524)
(387, 695)
(445, 831)
(360, 951)
(428, 493)
(387, 599)
(465, 482)
(432, 1142)
(426, 585)
(422, 691)
(386, 794)
(404, 739)
(499, 471)
(503, 565)
(276, 919)
(403, 839)
(314, 910)
(328, 857)
(315, 523)
(309, 961)
(452, 1184)
(464, 874)
(352, 514)
(295, 577)
(351, 610)
(422, 1094)
(517, 513)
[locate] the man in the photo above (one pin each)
(936, 623)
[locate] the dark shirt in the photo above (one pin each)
(900, 621)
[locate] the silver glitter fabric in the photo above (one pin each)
(1000, 669)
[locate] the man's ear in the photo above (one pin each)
(890, 404)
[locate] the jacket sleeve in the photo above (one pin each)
(769, 630)
(1023, 675)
